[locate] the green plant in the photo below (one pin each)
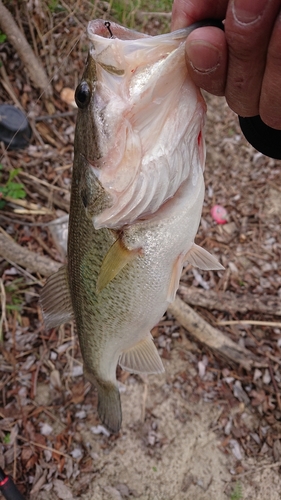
(6, 438)
(126, 11)
(14, 291)
(3, 37)
(237, 492)
(54, 6)
(11, 189)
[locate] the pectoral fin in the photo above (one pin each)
(142, 358)
(55, 300)
(116, 258)
(199, 257)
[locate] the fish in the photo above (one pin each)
(136, 200)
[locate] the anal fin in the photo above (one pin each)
(117, 257)
(55, 300)
(199, 257)
(142, 358)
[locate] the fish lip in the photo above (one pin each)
(98, 27)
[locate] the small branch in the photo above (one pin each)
(34, 262)
(231, 302)
(275, 386)
(209, 336)
(20, 44)
(42, 446)
(249, 322)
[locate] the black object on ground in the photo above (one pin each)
(8, 487)
(15, 130)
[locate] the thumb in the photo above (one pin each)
(206, 54)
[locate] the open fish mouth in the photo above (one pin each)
(149, 118)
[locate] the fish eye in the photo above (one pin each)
(82, 95)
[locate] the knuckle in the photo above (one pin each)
(240, 45)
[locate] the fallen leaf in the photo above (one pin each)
(62, 490)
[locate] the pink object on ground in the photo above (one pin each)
(219, 214)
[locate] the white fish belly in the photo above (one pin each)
(138, 297)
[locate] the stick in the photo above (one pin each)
(231, 302)
(20, 44)
(209, 336)
(36, 263)
(53, 450)
(249, 322)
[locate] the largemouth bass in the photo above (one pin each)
(136, 200)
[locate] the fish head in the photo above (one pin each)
(140, 123)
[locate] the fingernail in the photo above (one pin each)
(202, 56)
(248, 11)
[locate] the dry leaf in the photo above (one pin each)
(62, 490)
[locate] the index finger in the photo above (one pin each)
(186, 12)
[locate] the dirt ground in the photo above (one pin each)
(206, 429)
(181, 458)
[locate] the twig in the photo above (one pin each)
(141, 15)
(52, 196)
(209, 336)
(53, 450)
(230, 301)
(249, 322)
(28, 207)
(3, 319)
(258, 469)
(70, 14)
(144, 398)
(45, 118)
(9, 89)
(44, 183)
(275, 386)
(44, 245)
(24, 257)
(20, 44)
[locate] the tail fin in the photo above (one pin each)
(109, 406)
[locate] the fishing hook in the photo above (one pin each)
(107, 25)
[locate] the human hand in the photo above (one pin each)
(243, 62)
